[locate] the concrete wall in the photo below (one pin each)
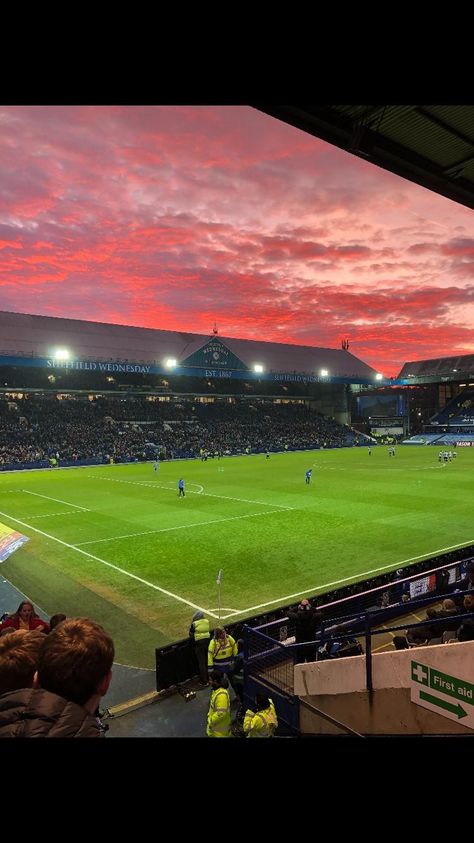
(338, 688)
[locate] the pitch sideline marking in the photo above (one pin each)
(109, 565)
(354, 577)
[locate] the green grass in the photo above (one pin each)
(275, 538)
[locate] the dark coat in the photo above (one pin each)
(35, 713)
(306, 623)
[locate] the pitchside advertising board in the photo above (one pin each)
(450, 696)
(10, 541)
(422, 586)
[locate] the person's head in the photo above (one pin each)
(220, 633)
(19, 656)
(400, 642)
(448, 605)
(55, 619)
(468, 602)
(466, 631)
(25, 610)
(218, 680)
(198, 616)
(431, 613)
(261, 702)
(75, 662)
(304, 606)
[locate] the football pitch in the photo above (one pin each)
(117, 544)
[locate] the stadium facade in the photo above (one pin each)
(44, 354)
(49, 353)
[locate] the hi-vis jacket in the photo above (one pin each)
(221, 653)
(200, 629)
(218, 716)
(261, 724)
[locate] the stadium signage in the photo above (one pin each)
(96, 366)
(463, 444)
(283, 376)
(214, 354)
(10, 540)
(194, 366)
(219, 373)
(442, 693)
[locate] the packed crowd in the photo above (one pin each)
(35, 429)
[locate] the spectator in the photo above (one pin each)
(74, 672)
(25, 617)
(466, 631)
(468, 582)
(306, 621)
(19, 656)
(54, 620)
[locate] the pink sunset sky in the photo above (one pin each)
(176, 217)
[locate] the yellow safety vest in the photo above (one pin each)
(261, 724)
(201, 629)
(219, 653)
(218, 716)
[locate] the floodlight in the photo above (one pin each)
(324, 373)
(61, 354)
(258, 368)
(379, 377)
(171, 362)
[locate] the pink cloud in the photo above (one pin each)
(171, 217)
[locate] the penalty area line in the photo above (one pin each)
(56, 500)
(110, 565)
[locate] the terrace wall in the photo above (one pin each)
(338, 688)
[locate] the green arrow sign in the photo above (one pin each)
(454, 709)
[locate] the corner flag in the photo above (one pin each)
(219, 577)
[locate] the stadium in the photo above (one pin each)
(108, 535)
(147, 475)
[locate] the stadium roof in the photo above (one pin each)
(432, 145)
(461, 366)
(37, 336)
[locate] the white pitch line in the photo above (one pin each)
(109, 565)
(181, 527)
(354, 577)
(51, 514)
(56, 500)
(170, 489)
(199, 487)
